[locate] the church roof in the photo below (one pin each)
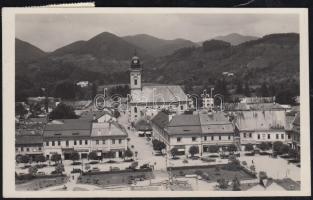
(158, 94)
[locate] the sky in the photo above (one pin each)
(52, 31)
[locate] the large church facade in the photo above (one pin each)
(146, 100)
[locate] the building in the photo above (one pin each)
(67, 136)
(295, 133)
(199, 129)
(148, 99)
(31, 145)
(108, 137)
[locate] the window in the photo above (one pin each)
(205, 138)
(219, 137)
(80, 142)
(120, 141)
(27, 149)
(75, 142)
(59, 143)
(135, 80)
(22, 148)
(268, 136)
(47, 143)
(66, 143)
(113, 141)
(259, 136)
(194, 139)
(97, 141)
(250, 135)
(53, 143)
(289, 136)
(178, 139)
(229, 137)
(39, 148)
(103, 141)
(282, 136)
(16, 149)
(135, 109)
(212, 137)
(182, 107)
(86, 142)
(277, 136)
(244, 134)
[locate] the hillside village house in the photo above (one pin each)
(148, 99)
(30, 145)
(198, 129)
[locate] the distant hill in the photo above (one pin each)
(271, 58)
(235, 38)
(105, 59)
(158, 47)
(26, 52)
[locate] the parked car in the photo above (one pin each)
(40, 173)
(145, 166)
(76, 170)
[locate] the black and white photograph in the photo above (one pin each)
(194, 102)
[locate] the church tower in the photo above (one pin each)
(135, 74)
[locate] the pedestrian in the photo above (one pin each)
(252, 162)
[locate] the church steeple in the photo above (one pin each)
(135, 73)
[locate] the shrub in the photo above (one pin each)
(283, 149)
(277, 145)
(76, 163)
(264, 146)
(25, 159)
(222, 183)
(232, 148)
(249, 147)
(193, 150)
(93, 155)
(213, 149)
(250, 154)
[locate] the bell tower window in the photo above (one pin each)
(135, 81)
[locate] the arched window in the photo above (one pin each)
(135, 109)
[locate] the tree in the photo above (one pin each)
(25, 159)
(93, 155)
(249, 147)
(63, 111)
(232, 148)
(264, 146)
(193, 150)
(293, 153)
(239, 89)
(35, 109)
(116, 113)
(158, 145)
(174, 152)
(247, 92)
(236, 184)
(264, 90)
(56, 158)
(20, 110)
(129, 153)
(32, 170)
(65, 90)
(40, 158)
(213, 148)
(93, 90)
(74, 156)
(222, 183)
(276, 146)
(18, 158)
(59, 168)
(284, 149)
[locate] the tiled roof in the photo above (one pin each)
(159, 93)
(184, 124)
(161, 119)
(215, 123)
(28, 139)
(68, 128)
(255, 106)
(107, 129)
(260, 120)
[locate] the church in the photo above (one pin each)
(146, 99)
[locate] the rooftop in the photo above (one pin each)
(28, 139)
(107, 129)
(158, 93)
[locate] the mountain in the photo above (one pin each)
(26, 52)
(235, 38)
(273, 57)
(105, 58)
(158, 47)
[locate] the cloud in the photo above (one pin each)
(52, 31)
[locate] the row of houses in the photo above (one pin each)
(101, 133)
(252, 125)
